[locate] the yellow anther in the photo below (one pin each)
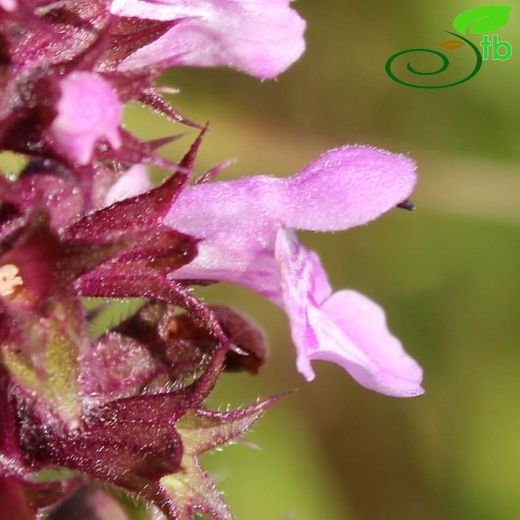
(10, 279)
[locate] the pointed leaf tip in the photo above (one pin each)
(192, 489)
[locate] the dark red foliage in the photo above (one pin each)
(38, 49)
(107, 410)
(126, 408)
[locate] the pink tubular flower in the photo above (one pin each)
(245, 231)
(260, 38)
(88, 110)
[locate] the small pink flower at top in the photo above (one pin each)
(8, 5)
(88, 110)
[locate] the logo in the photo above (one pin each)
(481, 21)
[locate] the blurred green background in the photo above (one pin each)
(447, 274)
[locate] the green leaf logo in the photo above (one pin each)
(481, 20)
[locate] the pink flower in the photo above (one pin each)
(260, 38)
(245, 227)
(8, 5)
(88, 110)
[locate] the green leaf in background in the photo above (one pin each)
(482, 20)
(106, 313)
(133, 507)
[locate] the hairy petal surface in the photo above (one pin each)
(260, 38)
(347, 187)
(126, 409)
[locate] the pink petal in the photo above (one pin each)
(132, 183)
(251, 268)
(88, 110)
(245, 211)
(347, 328)
(9, 5)
(260, 38)
(347, 187)
(391, 371)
